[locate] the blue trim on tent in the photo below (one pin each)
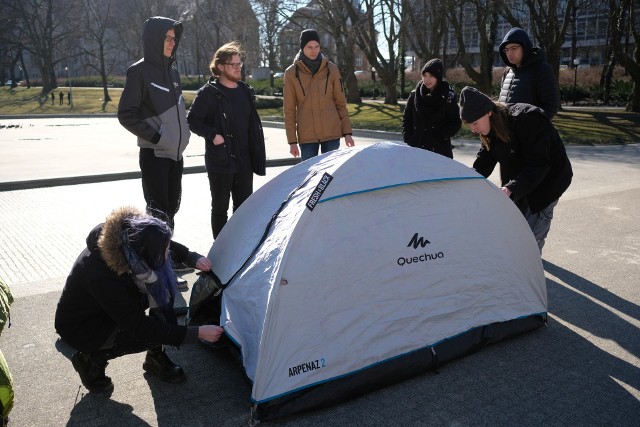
(400, 185)
(387, 360)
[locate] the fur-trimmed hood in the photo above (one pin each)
(109, 239)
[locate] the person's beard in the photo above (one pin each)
(230, 76)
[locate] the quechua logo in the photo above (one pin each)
(416, 241)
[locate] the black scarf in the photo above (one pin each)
(312, 64)
(427, 102)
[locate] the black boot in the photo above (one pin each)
(91, 371)
(158, 363)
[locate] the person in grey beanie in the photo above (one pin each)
(315, 108)
(534, 168)
(431, 117)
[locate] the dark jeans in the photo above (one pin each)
(238, 185)
(310, 149)
(161, 185)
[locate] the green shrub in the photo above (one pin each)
(268, 102)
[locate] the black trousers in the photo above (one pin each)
(123, 342)
(238, 185)
(161, 185)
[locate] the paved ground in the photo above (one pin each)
(583, 369)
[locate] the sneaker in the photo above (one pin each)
(181, 267)
(158, 363)
(91, 373)
(181, 284)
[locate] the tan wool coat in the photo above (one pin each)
(315, 109)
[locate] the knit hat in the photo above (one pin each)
(434, 67)
(474, 104)
(308, 35)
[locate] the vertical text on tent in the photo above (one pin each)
(317, 193)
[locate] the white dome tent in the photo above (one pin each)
(366, 266)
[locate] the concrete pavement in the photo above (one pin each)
(583, 369)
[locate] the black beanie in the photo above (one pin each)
(306, 36)
(474, 104)
(434, 67)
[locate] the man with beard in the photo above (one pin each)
(431, 116)
(224, 114)
(315, 109)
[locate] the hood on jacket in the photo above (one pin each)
(153, 32)
(297, 61)
(110, 238)
(520, 36)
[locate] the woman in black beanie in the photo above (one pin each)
(431, 117)
(534, 168)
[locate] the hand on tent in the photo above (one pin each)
(203, 264)
(211, 333)
(348, 140)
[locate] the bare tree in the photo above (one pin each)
(273, 16)
(334, 19)
(550, 20)
(10, 42)
(627, 22)
(130, 17)
(484, 14)
(426, 29)
(379, 18)
(44, 28)
(99, 39)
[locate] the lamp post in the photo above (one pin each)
(70, 92)
(576, 62)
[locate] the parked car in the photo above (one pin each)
(278, 75)
(8, 83)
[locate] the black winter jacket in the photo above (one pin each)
(430, 120)
(534, 163)
(531, 83)
(100, 295)
(211, 115)
(152, 106)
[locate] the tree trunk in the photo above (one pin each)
(353, 93)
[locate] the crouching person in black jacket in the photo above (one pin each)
(121, 273)
(534, 168)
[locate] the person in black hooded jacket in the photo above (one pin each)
(431, 116)
(152, 108)
(224, 114)
(534, 168)
(122, 272)
(528, 78)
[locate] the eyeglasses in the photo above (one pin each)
(511, 49)
(169, 39)
(234, 64)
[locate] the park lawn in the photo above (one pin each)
(591, 126)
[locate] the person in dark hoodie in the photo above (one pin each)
(431, 117)
(224, 114)
(527, 78)
(534, 168)
(314, 106)
(152, 108)
(122, 272)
